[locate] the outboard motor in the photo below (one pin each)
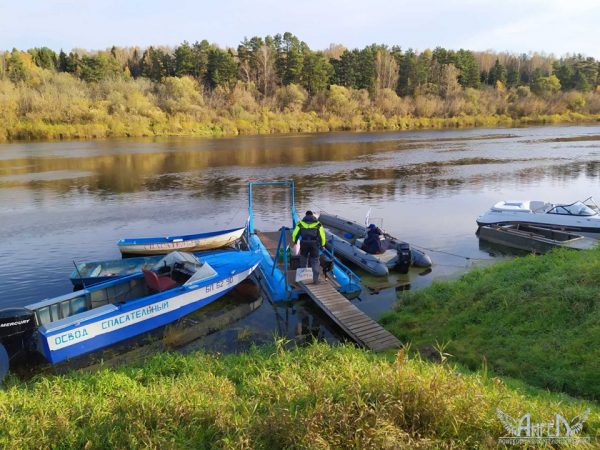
(404, 258)
(16, 330)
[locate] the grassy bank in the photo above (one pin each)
(535, 318)
(315, 397)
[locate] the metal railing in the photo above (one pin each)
(282, 245)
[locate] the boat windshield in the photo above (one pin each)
(203, 272)
(574, 209)
(177, 257)
(187, 265)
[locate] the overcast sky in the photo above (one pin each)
(550, 26)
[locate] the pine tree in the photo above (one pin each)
(317, 72)
(497, 73)
(184, 60)
(222, 68)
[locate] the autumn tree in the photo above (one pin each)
(386, 70)
(449, 85)
(545, 86)
(257, 59)
(44, 57)
(16, 68)
(153, 64)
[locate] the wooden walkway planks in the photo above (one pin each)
(357, 325)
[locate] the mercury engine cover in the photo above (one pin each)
(404, 258)
(16, 328)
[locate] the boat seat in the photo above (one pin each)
(388, 255)
(158, 283)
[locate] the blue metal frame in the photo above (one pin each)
(289, 183)
(282, 244)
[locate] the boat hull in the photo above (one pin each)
(533, 239)
(190, 243)
(113, 324)
(581, 225)
(350, 252)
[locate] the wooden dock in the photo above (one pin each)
(356, 324)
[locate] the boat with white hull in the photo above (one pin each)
(581, 216)
(187, 243)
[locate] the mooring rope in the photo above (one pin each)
(468, 258)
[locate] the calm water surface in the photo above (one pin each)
(66, 201)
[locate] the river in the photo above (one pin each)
(71, 201)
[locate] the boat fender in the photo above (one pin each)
(404, 258)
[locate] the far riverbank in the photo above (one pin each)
(268, 123)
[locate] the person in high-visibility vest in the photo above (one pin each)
(312, 237)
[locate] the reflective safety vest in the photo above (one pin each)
(309, 232)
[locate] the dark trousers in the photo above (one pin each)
(309, 253)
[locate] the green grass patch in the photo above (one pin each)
(314, 397)
(535, 318)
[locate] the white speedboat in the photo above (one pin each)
(581, 216)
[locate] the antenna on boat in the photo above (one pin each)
(79, 273)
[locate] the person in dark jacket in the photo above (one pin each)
(312, 237)
(372, 243)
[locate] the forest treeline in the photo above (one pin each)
(277, 84)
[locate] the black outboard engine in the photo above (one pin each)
(404, 258)
(16, 329)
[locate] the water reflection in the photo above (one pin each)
(223, 172)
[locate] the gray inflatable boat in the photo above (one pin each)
(345, 238)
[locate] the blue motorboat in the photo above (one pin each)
(90, 273)
(107, 313)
